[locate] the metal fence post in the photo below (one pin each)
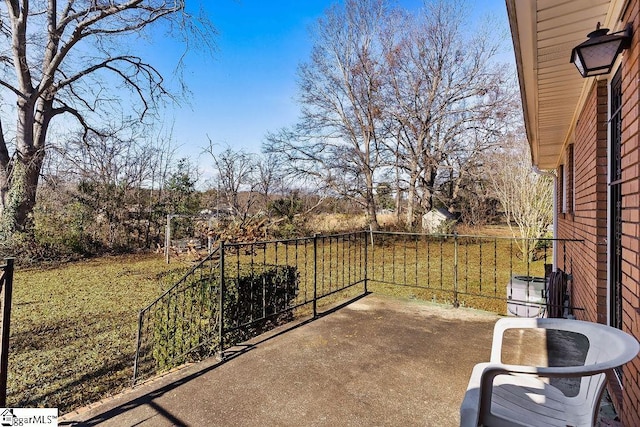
(167, 238)
(315, 275)
(5, 299)
(138, 345)
(221, 302)
(366, 263)
(456, 303)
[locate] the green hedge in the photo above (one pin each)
(186, 325)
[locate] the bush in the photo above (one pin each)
(186, 325)
(29, 251)
(261, 295)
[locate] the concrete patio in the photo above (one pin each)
(374, 361)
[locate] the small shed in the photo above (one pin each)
(438, 220)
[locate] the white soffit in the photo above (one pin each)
(544, 32)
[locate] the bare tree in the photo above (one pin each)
(526, 197)
(63, 59)
(235, 179)
(268, 174)
(389, 93)
(338, 140)
(104, 191)
(112, 178)
(447, 99)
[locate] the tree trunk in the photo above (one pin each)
(21, 193)
(20, 176)
(398, 198)
(428, 183)
(411, 202)
(370, 200)
(372, 217)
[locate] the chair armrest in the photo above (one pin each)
(477, 399)
(470, 407)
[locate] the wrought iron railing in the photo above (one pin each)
(474, 271)
(244, 289)
(6, 291)
(181, 324)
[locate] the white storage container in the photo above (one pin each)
(526, 296)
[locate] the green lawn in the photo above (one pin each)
(73, 328)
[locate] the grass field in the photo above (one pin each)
(73, 328)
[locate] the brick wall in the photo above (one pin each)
(589, 219)
(630, 411)
(588, 178)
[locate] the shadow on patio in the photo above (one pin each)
(373, 361)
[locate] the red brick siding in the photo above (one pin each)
(589, 220)
(629, 408)
(569, 173)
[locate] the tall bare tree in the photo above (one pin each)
(235, 179)
(447, 99)
(338, 139)
(269, 179)
(63, 58)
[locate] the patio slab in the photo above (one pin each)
(374, 361)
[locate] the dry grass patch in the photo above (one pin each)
(73, 328)
(331, 223)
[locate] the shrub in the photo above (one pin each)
(186, 325)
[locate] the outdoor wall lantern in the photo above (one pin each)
(596, 55)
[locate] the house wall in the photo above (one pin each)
(630, 413)
(588, 261)
(584, 179)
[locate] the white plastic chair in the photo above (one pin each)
(516, 395)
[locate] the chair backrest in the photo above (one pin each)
(608, 348)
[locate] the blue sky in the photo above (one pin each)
(248, 87)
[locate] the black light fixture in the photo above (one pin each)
(597, 55)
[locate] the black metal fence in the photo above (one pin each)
(497, 274)
(244, 289)
(6, 291)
